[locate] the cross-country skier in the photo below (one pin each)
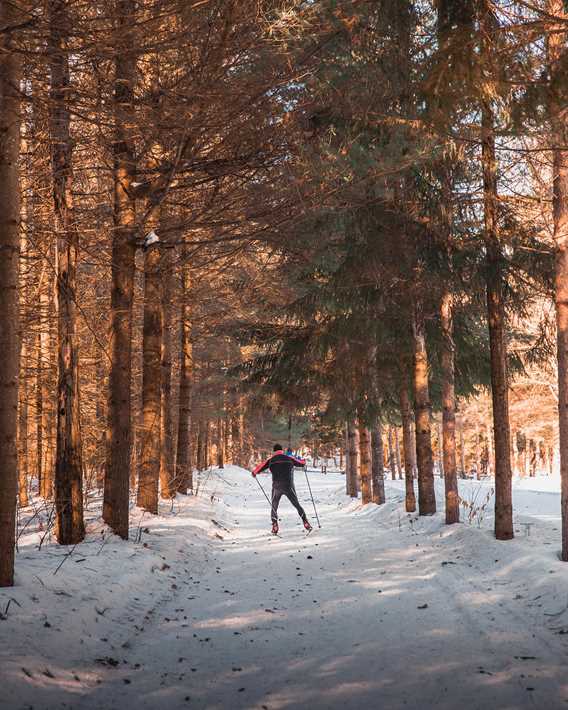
(281, 467)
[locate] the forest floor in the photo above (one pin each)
(378, 608)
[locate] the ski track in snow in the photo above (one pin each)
(378, 609)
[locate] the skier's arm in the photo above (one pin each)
(298, 462)
(261, 467)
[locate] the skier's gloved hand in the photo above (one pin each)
(253, 474)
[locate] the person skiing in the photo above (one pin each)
(281, 467)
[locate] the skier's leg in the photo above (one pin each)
(276, 495)
(292, 496)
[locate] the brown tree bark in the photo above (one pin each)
(365, 463)
(377, 470)
(23, 409)
(207, 461)
(119, 431)
(220, 443)
(24, 356)
(353, 452)
(496, 310)
(150, 457)
(44, 407)
(392, 463)
(199, 448)
(449, 410)
(440, 449)
(408, 446)
(422, 409)
(184, 474)
(10, 72)
(558, 107)
(70, 527)
(397, 454)
(167, 475)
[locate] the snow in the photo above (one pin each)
(378, 608)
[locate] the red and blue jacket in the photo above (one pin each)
(281, 467)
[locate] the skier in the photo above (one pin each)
(281, 467)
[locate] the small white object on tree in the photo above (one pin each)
(149, 239)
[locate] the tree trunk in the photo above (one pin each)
(440, 450)
(353, 451)
(397, 454)
(408, 445)
(559, 118)
(70, 527)
(449, 410)
(24, 356)
(150, 456)
(422, 408)
(228, 440)
(23, 451)
(377, 470)
(200, 442)
(184, 474)
(220, 443)
(392, 464)
(496, 314)
(365, 464)
(119, 433)
(207, 461)
(167, 487)
(44, 409)
(413, 448)
(9, 308)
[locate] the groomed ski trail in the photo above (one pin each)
(376, 609)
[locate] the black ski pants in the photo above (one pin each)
(288, 490)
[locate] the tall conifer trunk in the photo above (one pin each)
(377, 457)
(496, 308)
(184, 474)
(70, 527)
(23, 404)
(557, 54)
(167, 477)
(9, 248)
(220, 432)
(392, 461)
(397, 454)
(23, 449)
(408, 446)
(449, 411)
(353, 460)
(119, 432)
(148, 479)
(422, 409)
(365, 463)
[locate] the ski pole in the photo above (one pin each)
(262, 489)
(311, 495)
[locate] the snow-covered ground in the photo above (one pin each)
(380, 609)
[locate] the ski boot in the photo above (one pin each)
(275, 528)
(307, 526)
